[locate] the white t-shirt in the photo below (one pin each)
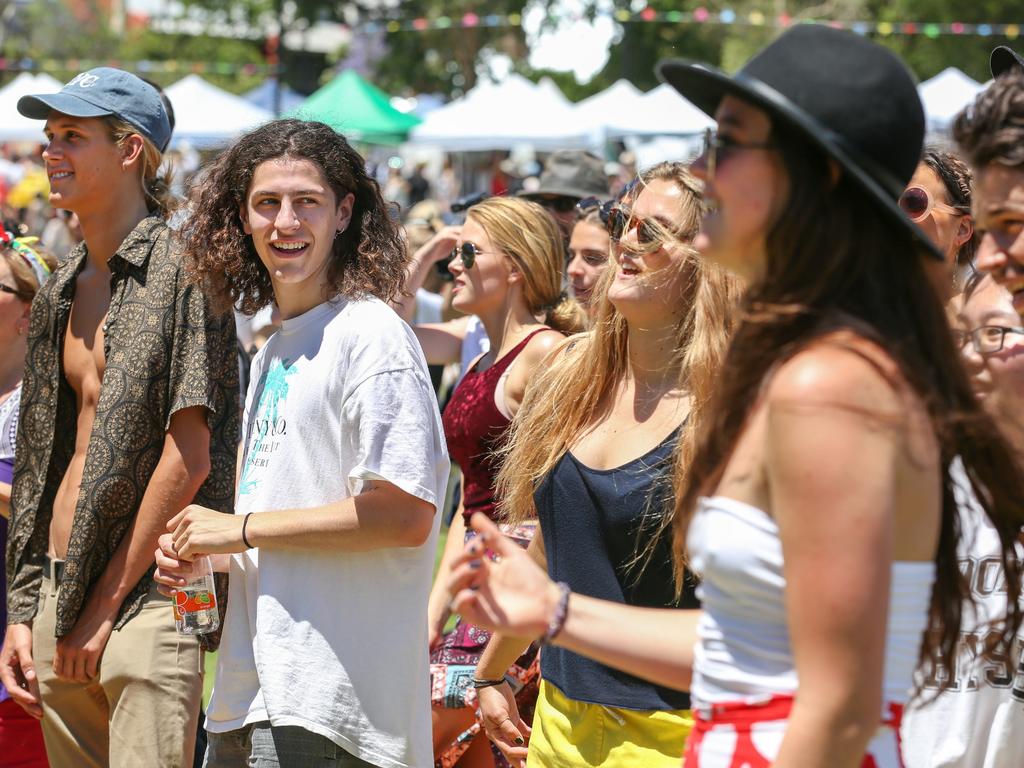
(978, 722)
(335, 642)
(429, 306)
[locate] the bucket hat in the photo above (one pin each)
(572, 173)
(106, 91)
(853, 99)
(1003, 59)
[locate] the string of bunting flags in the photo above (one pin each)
(725, 17)
(142, 67)
(701, 15)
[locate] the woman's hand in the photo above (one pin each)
(198, 531)
(502, 724)
(506, 592)
(439, 247)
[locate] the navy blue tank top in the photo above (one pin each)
(595, 523)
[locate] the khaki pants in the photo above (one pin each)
(142, 709)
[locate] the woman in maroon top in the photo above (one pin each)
(508, 266)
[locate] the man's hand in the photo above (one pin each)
(18, 671)
(198, 531)
(78, 654)
(171, 573)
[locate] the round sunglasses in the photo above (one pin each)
(917, 203)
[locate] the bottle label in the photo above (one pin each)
(200, 600)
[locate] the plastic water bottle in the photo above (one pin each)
(195, 604)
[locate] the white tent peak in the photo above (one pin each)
(501, 116)
(207, 116)
(13, 126)
(549, 88)
(945, 95)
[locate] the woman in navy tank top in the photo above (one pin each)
(507, 265)
(819, 506)
(592, 456)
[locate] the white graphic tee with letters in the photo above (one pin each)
(335, 642)
(978, 721)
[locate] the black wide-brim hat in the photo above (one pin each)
(1003, 59)
(853, 99)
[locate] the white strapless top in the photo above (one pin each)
(743, 651)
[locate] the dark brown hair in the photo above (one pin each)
(368, 258)
(991, 130)
(873, 282)
(957, 179)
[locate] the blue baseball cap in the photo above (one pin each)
(106, 91)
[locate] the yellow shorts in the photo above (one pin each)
(574, 734)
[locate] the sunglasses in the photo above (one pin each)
(986, 340)
(650, 233)
(604, 207)
(717, 149)
(917, 203)
(467, 252)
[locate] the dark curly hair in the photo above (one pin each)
(368, 258)
(991, 130)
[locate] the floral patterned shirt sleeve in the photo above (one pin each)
(165, 351)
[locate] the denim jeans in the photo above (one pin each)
(262, 745)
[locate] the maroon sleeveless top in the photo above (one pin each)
(474, 429)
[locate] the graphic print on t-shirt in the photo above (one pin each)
(269, 425)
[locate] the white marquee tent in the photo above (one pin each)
(944, 95)
(621, 110)
(208, 117)
(669, 114)
(14, 127)
(503, 116)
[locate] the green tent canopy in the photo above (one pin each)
(357, 109)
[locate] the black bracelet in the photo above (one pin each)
(478, 683)
(245, 523)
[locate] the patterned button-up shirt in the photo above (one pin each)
(165, 351)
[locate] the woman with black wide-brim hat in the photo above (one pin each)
(817, 507)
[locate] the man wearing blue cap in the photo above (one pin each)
(130, 412)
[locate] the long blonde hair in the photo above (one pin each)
(570, 394)
(527, 234)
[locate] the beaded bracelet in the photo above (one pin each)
(561, 612)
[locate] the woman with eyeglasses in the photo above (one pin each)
(589, 251)
(507, 266)
(938, 200)
(591, 456)
(818, 510)
(978, 719)
(24, 266)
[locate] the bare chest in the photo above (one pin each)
(84, 359)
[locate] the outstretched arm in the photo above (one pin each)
(514, 596)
